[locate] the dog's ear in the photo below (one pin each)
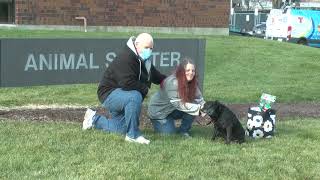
(217, 106)
(217, 102)
(208, 107)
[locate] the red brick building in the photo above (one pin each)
(147, 13)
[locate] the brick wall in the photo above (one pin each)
(149, 13)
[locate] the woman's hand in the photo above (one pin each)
(201, 113)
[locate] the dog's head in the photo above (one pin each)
(212, 108)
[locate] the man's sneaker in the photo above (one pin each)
(187, 135)
(139, 139)
(88, 119)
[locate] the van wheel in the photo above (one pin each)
(303, 41)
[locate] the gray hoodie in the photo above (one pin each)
(167, 99)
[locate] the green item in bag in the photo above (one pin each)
(266, 100)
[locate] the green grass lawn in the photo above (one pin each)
(237, 70)
(49, 150)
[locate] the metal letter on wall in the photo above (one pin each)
(29, 62)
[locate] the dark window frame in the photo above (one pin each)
(9, 18)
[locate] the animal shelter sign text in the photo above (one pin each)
(29, 62)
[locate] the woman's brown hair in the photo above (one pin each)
(186, 90)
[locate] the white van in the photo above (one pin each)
(300, 26)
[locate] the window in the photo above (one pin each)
(7, 11)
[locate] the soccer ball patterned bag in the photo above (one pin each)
(261, 123)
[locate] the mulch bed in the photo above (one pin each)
(284, 110)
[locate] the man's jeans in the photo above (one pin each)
(124, 108)
(167, 125)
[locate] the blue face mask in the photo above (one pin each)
(145, 53)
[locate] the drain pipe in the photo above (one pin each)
(84, 22)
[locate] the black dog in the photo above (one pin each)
(226, 124)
